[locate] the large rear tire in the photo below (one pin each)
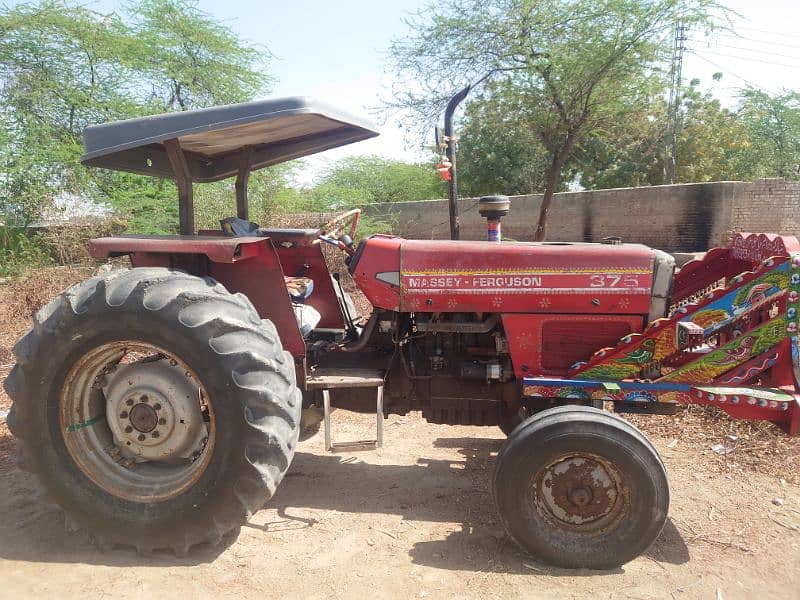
(581, 488)
(156, 407)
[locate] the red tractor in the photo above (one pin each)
(161, 405)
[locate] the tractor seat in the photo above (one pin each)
(298, 288)
(308, 317)
(234, 226)
(284, 232)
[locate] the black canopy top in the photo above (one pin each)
(212, 139)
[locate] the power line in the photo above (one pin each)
(755, 51)
(749, 39)
(731, 73)
(781, 33)
(747, 58)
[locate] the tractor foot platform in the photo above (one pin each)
(328, 379)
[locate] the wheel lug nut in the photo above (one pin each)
(155, 434)
(157, 406)
(129, 402)
(123, 414)
(144, 398)
(128, 429)
(162, 421)
(141, 437)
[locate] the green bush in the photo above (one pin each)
(19, 252)
(369, 225)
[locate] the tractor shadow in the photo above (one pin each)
(432, 490)
(32, 528)
(459, 549)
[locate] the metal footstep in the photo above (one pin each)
(329, 379)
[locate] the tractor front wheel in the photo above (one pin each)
(581, 488)
(157, 408)
(510, 419)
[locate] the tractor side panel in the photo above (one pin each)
(547, 344)
(249, 265)
(260, 278)
(446, 276)
(303, 260)
(376, 270)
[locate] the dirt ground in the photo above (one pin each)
(416, 519)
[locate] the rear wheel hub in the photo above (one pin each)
(157, 434)
(155, 411)
(143, 418)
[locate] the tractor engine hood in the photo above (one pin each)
(548, 277)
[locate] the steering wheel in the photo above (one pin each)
(329, 231)
(331, 228)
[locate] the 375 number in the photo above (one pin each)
(611, 280)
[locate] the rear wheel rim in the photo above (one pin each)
(581, 493)
(137, 422)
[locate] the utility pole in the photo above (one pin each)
(671, 154)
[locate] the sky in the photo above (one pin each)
(335, 51)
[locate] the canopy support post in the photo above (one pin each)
(242, 178)
(183, 180)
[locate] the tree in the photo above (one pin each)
(360, 180)
(64, 67)
(498, 150)
(568, 63)
(710, 142)
(760, 138)
(56, 79)
(711, 139)
(192, 60)
(772, 123)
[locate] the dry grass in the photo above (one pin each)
(68, 243)
(20, 298)
(752, 446)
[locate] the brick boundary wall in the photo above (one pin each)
(677, 218)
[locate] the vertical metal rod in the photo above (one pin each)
(183, 179)
(379, 441)
(242, 178)
(671, 153)
(326, 408)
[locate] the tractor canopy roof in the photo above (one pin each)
(212, 140)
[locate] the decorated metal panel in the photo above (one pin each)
(451, 276)
(759, 314)
(738, 351)
(744, 295)
(752, 368)
(757, 247)
(746, 251)
(779, 406)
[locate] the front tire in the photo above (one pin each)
(581, 488)
(157, 408)
(510, 420)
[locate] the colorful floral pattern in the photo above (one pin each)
(720, 309)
